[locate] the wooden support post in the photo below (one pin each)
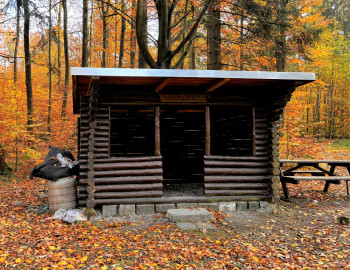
(157, 131)
(207, 131)
(109, 130)
(253, 132)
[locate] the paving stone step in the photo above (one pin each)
(185, 214)
(191, 226)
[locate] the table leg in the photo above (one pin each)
(285, 189)
(347, 182)
(326, 187)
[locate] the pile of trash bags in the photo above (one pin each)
(58, 163)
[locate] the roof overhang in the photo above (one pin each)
(158, 79)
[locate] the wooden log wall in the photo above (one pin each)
(125, 177)
(274, 112)
(246, 176)
(94, 143)
(103, 177)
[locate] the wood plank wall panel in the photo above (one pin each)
(241, 176)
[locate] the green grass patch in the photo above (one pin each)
(343, 144)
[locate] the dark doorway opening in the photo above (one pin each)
(182, 133)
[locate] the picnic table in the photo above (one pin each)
(294, 175)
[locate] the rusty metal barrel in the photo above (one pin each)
(62, 194)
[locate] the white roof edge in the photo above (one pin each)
(184, 73)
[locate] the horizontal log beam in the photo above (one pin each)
(97, 140)
(134, 194)
(96, 144)
(234, 164)
(236, 186)
(129, 165)
(234, 192)
(125, 187)
(127, 179)
(129, 172)
(250, 158)
(96, 156)
(129, 159)
(233, 179)
(239, 171)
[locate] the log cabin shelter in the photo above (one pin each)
(160, 136)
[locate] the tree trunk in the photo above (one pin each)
(182, 64)
(28, 66)
(280, 41)
(165, 37)
(104, 13)
(214, 37)
(192, 56)
(18, 9)
(141, 62)
(50, 72)
(122, 36)
(66, 60)
(133, 39)
(4, 168)
(90, 30)
(59, 49)
(115, 38)
(241, 37)
(84, 58)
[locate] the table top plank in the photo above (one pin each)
(308, 161)
(326, 178)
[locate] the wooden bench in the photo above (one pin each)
(292, 175)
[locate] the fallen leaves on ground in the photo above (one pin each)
(301, 234)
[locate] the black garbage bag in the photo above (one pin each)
(52, 168)
(55, 150)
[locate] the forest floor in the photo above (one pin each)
(303, 233)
